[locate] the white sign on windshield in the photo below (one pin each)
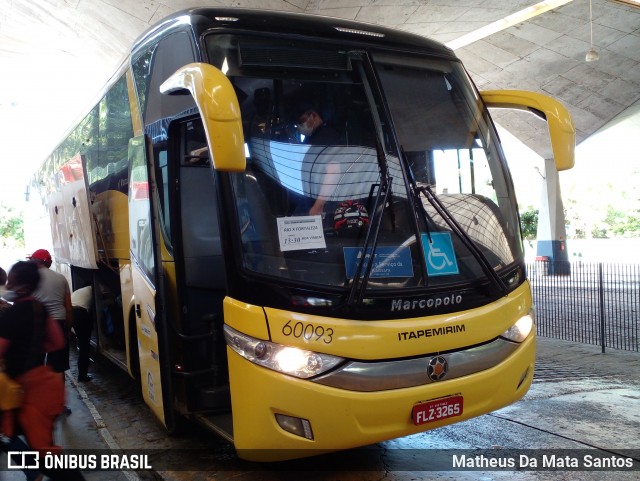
(301, 233)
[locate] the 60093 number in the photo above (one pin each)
(308, 332)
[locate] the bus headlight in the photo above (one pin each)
(288, 360)
(521, 329)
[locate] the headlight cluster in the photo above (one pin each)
(521, 329)
(288, 360)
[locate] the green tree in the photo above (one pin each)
(622, 223)
(11, 227)
(529, 223)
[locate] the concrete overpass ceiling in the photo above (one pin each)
(56, 54)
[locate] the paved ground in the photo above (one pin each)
(581, 399)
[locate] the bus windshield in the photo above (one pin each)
(339, 143)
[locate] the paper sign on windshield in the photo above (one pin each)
(301, 233)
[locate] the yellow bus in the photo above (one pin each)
(301, 231)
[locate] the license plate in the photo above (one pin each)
(437, 410)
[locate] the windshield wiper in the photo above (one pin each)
(373, 233)
(464, 237)
(366, 262)
(418, 209)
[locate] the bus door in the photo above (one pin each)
(146, 354)
(200, 271)
(215, 145)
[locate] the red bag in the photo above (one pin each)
(43, 401)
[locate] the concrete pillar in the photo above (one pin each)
(552, 235)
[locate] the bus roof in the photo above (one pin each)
(289, 23)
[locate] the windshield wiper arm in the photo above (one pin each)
(357, 287)
(464, 237)
(418, 209)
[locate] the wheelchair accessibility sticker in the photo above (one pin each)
(439, 253)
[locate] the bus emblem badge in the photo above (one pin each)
(437, 369)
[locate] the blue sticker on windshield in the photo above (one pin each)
(388, 261)
(439, 253)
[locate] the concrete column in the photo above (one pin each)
(552, 235)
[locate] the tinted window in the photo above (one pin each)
(151, 69)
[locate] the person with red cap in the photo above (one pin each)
(53, 291)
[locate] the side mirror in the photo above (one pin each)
(219, 109)
(561, 129)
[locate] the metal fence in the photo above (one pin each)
(592, 303)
